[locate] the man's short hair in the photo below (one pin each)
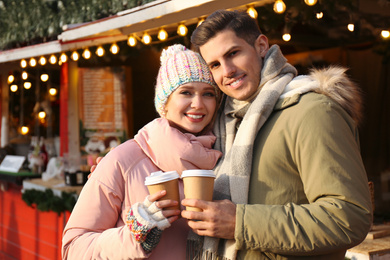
(244, 26)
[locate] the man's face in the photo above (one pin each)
(235, 64)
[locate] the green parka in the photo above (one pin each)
(308, 194)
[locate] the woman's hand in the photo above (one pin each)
(171, 214)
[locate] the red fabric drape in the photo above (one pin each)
(64, 89)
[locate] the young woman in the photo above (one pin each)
(114, 218)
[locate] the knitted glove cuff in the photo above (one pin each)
(152, 239)
(139, 227)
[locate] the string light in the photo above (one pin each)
(286, 37)
(13, 88)
(24, 130)
(100, 51)
(279, 6)
(42, 60)
(44, 77)
(132, 41)
(320, 15)
(63, 58)
(351, 27)
(162, 35)
(27, 85)
(310, 2)
(33, 62)
(42, 114)
(182, 30)
(146, 38)
(53, 59)
(201, 20)
(53, 91)
(114, 49)
(252, 12)
(86, 54)
(11, 79)
(24, 75)
(75, 56)
(385, 34)
(23, 63)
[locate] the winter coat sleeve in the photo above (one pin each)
(96, 229)
(333, 211)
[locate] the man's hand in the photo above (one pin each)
(218, 218)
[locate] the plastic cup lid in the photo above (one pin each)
(159, 177)
(198, 173)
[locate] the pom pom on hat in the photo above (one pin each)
(179, 66)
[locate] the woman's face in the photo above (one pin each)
(191, 107)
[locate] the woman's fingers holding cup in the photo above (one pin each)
(166, 204)
(157, 195)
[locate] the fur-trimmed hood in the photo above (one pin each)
(335, 84)
(332, 82)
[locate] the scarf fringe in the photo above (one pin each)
(194, 249)
(195, 252)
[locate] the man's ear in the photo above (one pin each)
(261, 45)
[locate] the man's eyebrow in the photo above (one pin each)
(224, 55)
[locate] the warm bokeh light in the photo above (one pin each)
(63, 58)
(182, 30)
(351, 27)
(23, 63)
(146, 38)
(13, 88)
(53, 91)
(44, 77)
(201, 20)
(132, 41)
(53, 59)
(162, 35)
(286, 37)
(320, 15)
(33, 62)
(27, 85)
(114, 49)
(385, 34)
(75, 56)
(11, 79)
(279, 6)
(24, 75)
(42, 60)
(42, 114)
(252, 12)
(24, 130)
(86, 54)
(310, 2)
(100, 51)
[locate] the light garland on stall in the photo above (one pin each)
(279, 7)
(114, 49)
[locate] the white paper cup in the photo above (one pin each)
(168, 181)
(198, 184)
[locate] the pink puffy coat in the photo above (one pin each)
(96, 228)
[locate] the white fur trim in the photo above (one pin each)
(142, 216)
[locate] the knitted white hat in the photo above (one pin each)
(179, 66)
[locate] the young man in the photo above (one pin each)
(291, 183)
